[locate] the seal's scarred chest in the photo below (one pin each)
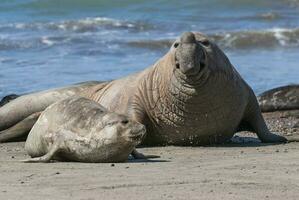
(188, 114)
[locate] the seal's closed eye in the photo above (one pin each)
(125, 121)
(111, 123)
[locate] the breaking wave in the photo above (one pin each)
(20, 36)
(80, 25)
(100, 28)
(271, 38)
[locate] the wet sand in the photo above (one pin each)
(244, 169)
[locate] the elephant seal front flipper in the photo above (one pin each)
(256, 123)
(47, 157)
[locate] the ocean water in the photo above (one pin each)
(51, 43)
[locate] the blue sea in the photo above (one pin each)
(52, 43)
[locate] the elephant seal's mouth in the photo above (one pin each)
(138, 133)
(137, 137)
(194, 72)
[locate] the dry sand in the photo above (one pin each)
(245, 169)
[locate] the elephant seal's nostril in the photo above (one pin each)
(202, 65)
(177, 63)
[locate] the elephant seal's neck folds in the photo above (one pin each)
(193, 95)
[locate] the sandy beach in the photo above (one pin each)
(244, 169)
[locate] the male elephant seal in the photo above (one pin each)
(78, 129)
(191, 96)
(281, 98)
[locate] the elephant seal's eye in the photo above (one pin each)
(205, 43)
(125, 121)
(175, 45)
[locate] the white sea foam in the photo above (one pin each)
(81, 25)
(279, 33)
(47, 41)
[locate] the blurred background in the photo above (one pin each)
(51, 43)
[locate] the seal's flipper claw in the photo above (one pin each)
(274, 138)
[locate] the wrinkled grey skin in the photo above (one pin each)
(19, 131)
(19, 115)
(78, 129)
(281, 98)
(191, 96)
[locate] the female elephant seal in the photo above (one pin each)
(191, 96)
(78, 129)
